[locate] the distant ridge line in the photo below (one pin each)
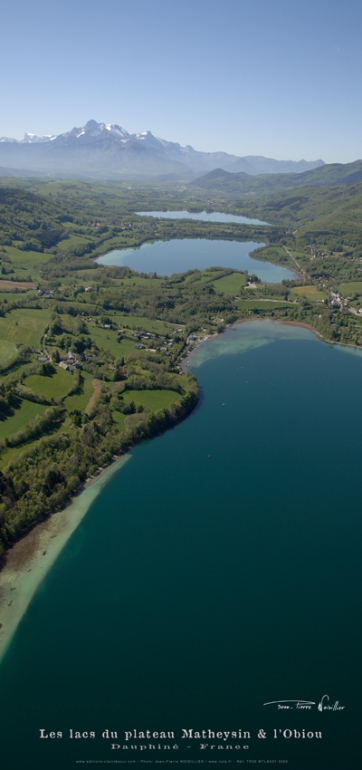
(108, 151)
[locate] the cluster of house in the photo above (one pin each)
(337, 300)
(45, 294)
(70, 363)
(148, 336)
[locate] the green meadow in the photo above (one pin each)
(28, 410)
(23, 326)
(152, 399)
(8, 296)
(11, 454)
(349, 288)
(312, 293)
(147, 324)
(72, 241)
(54, 386)
(80, 400)
(8, 353)
(26, 259)
(119, 419)
(107, 339)
(230, 284)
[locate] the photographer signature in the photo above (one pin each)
(324, 704)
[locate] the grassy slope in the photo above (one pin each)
(21, 417)
(152, 399)
(54, 386)
(311, 293)
(8, 352)
(23, 326)
(80, 400)
(350, 288)
(230, 284)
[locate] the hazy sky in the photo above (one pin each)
(280, 78)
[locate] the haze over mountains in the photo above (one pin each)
(100, 150)
(241, 184)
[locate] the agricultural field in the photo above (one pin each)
(145, 324)
(8, 353)
(52, 386)
(230, 284)
(25, 259)
(72, 241)
(7, 286)
(80, 400)
(350, 288)
(152, 399)
(23, 326)
(311, 293)
(9, 296)
(107, 339)
(21, 417)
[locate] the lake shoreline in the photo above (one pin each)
(318, 334)
(37, 551)
(302, 324)
(31, 558)
(233, 260)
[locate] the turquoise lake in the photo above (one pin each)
(203, 216)
(219, 570)
(180, 255)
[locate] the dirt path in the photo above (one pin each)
(300, 270)
(97, 384)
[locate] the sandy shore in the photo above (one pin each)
(30, 559)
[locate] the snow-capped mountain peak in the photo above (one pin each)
(107, 150)
(30, 138)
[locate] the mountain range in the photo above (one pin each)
(101, 150)
(241, 184)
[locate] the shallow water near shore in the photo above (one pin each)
(216, 572)
(32, 557)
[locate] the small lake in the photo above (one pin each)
(203, 216)
(182, 254)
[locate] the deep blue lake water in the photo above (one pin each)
(180, 255)
(219, 570)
